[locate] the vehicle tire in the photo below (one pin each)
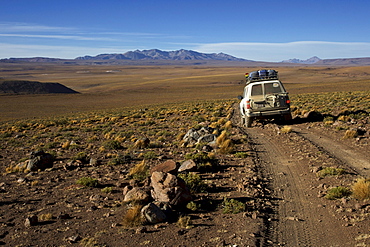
(242, 121)
(248, 122)
(287, 118)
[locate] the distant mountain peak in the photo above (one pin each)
(311, 60)
(156, 54)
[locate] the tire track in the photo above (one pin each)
(356, 160)
(298, 217)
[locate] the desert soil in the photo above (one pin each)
(277, 182)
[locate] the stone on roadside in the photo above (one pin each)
(137, 195)
(153, 214)
(31, 221)
(169, 188)
(40, 161)
(188, 166)
(169, 166)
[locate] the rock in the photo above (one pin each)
(31, 221)
(137, 195)
(93, 162)
(96, 197)
(142, 143)
(208, 138)
(169, 188)
(188, 165)
(313, 116)
(153, 214)
(40, 161)
(168, 166)
(141, 230)
(126, 189)
(191, 136)
(74, 239)
(208, 148)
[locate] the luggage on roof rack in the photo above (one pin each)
(261, 75)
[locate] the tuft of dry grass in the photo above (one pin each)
(45, 217)
(133, 216)
(286, 129)
(185, 222)
(140, 171)
(227, 147)
(361, 189)
(350, 134)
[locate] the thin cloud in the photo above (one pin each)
(25, 27)
(70, 37)
(66, 52)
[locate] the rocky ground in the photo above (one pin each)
(252, 187)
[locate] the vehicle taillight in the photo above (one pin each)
(248, 104)
(288, 101)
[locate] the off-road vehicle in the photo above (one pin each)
(264, 97)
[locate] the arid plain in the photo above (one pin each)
(269, 185)
(108, 87)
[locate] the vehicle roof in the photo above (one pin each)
(263, 81)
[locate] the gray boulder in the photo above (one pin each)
(153, 214)
(40, 161)
(188, 165)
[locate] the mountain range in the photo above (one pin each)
(311, 60)
(186, 57)
(155, 54)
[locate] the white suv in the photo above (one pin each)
(264, 97)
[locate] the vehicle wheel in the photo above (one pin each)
(248, 122)
(287, 117)
(242, 121)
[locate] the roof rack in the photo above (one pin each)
(261, 75)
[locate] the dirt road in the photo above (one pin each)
(301, 215)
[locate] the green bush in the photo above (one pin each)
(337, 192)
(88, 182)
(330, 171)
(232, 206)
(112, 144)
(194, 182)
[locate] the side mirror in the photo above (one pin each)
(240, 97)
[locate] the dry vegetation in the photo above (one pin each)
(129, 119)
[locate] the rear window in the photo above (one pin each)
(266, 88)
(256, 90)
(272, 88)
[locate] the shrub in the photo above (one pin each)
(133, 216)
(88, 182)
(361, 189)
(286, 129)
(194, 182)
(242, 154)
(81, 156)
(45, 217)
(185, 222)
(330, 171)
(107, 190)
(140, 171)
(112, 144)
(227, 147)
(150, 155)
(232, 206)
(337, 192)
(350, 134)
(120, 159)
(193, 206)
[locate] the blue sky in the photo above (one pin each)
(256, 30)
